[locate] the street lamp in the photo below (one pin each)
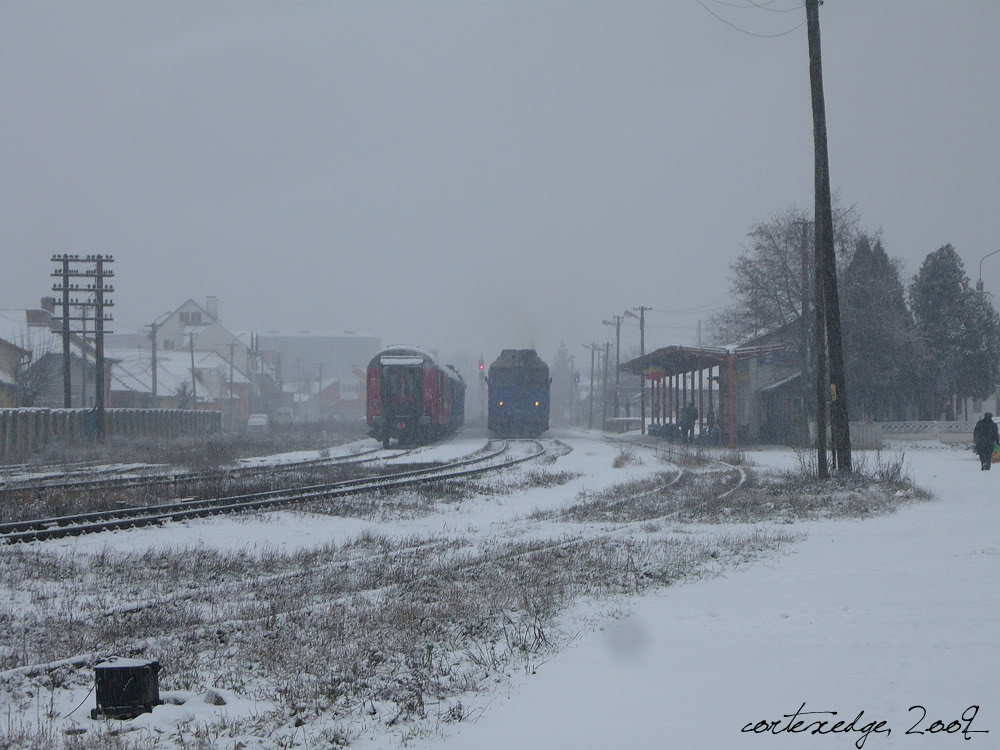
(979, 284)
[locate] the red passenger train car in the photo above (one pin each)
(411, 397)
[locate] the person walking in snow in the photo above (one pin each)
(986, 436)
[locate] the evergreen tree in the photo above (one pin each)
(979, 346)
(959, 331)
(880, 348)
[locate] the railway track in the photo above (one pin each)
(668, 450)
(29, 468)
(149, 480)
(9, 475)
(123, 518)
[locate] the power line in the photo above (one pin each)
(689, 310)
(760, 6)
(745, 31)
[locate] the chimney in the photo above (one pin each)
(212, 307)
(49, 305)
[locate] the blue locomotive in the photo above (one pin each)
(518, 394)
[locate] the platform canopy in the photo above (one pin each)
(674, 360)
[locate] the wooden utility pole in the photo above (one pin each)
(99, 274)
(232, 408)
(194, 383)
(67, 360)
(97, 289)
(820, 346)
(83, 358)
(155, 403)
(825, 248)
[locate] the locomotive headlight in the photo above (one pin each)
(501, 403)
(536, 403)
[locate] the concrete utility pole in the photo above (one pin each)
(826, 261)
(642, 353)
(604, 392)
(618, 348)
(482, 388)
(572, 384)
(590, 419)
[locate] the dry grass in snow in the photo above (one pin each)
(382, 635)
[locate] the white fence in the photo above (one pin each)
(872, 435)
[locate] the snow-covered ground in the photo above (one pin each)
(590, 461)
(876, 616)
(872, 615)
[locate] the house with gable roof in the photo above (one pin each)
(41, 359)
(11, 358)
(222, 370)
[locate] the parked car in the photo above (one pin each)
(284, 416)
(258, 423)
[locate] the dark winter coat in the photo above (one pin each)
(985, 435)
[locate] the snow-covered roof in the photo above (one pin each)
(402, 350)
(348, 379)
(307, 333)
(133, 371)
(38, 340)
(784, 381)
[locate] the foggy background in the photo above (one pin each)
(467, 176)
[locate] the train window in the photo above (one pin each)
(404, 386)
(507, 378)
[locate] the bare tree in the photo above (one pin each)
(185, 397)
(766, 278)
(35, 368)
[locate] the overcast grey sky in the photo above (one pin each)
(475, 174)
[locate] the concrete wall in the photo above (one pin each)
(871, 435)
(25, 431)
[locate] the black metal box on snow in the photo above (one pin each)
(126, 687)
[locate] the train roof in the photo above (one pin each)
(412, 356)
(404, 355)
(454, 374)
(526, 359)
